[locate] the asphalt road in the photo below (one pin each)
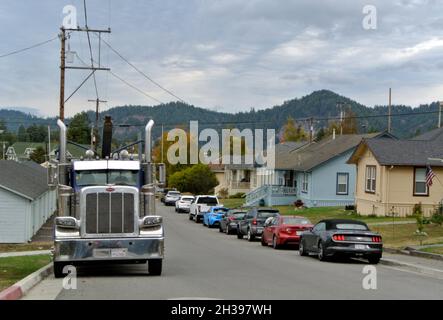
(203, 263)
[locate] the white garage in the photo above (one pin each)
(26, 203)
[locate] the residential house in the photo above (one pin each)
(316, 173)
(21, 151)
(26, 203)
(391, 175)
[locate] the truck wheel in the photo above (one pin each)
(250, 237)
(155, 267)
(58, 269)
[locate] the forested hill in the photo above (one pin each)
(319, 104)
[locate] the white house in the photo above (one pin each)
(26, 203)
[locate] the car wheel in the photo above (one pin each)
(190, 217)
(155, 267)
(374, 259)
(263, 242)
(58, 270)
(250, 236)
(227, 229)
(196, 219)
(239, 234)
(275, 244)
(301, 249)
(220, 228)
(321, 252)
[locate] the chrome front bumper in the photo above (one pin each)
(125, 249)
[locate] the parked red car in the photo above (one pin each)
(284, 230)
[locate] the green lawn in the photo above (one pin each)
(14, 269)
(438, 250)
(403, 235)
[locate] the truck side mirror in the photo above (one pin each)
(161, 174)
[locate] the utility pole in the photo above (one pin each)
(439, 113)
(95, 131)
(340, 105)
(63, 66)
(311, 129)
(162, 144)
(389, 110)
(62, 74)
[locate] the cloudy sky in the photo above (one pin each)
(227, 55)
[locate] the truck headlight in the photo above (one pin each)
(151, 221)
(67, 222)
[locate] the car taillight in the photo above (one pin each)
(254, 222)
(232, 218)
(376, 239)
(338, 237)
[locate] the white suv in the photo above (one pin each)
(184, 204)
(200, 205)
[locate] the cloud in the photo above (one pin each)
(230, 53)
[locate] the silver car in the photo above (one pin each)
(184, 204)
(172, 197)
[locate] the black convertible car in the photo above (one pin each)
(335, 237)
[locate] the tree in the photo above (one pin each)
(78, 130)
(36, 133)
(292, 132)
(22, 135)
(39, 155)
(320, 134)
(198, 179)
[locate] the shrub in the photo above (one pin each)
(437, 217)
(238, 195)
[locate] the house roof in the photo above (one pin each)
(430, 135)
(73, 150)
(317, 153)
(402, 152)
(26, 179)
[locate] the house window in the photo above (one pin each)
(420, 187)
(342, 183)
(305, 184)
(370, 179)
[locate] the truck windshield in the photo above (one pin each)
(101, 177)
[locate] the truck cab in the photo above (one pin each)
(106, 209)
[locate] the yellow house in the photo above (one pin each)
(391, 175)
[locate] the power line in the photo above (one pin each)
(141, 72)
(90, 47)
(135, 88)
(28, 48)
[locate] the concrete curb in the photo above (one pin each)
(21, 288)
(415, 253)
(413, 267)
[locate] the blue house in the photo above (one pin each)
(315, 173)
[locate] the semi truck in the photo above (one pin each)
(106, 206)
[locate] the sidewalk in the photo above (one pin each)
(24, 253)
(426, 266)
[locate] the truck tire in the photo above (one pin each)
(58, 269)
(155, 267)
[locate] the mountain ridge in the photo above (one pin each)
(319, 104)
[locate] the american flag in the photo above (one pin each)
(429, 176)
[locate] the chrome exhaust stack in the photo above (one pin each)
(148, 190)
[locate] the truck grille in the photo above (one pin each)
(109, 212)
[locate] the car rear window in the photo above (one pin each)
(220, 210)
(267, 214)
(173, 193)
(239, 215)
(207, 200)
(351, 226)
(292, 220)
(187, 198)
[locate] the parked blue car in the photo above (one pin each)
(213, 216)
